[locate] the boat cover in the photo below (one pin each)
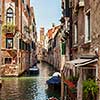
(54, 80)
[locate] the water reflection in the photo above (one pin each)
(28, 88)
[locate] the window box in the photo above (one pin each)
(8, 28)
(9, 35)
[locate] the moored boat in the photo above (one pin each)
(54, 82)
(52, 98)
(33, 70)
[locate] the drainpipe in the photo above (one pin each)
(63, 50)
(0, 38)
(21, 36)
(62, 84)
(70, 34)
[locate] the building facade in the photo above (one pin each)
(18, 40)
(84, 47)
(42, 36)
(54, 47)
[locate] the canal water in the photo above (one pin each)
(28, 87)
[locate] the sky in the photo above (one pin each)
(46, 13)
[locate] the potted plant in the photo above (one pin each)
(8, 28)
(90, 89)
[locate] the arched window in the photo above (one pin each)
(9, 15)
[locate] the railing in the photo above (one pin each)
(71, 95)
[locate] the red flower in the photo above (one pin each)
(69, 83)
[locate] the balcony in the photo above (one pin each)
(8, 29)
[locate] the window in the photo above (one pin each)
(9, 43)
(76, 33)
(22, 44)
(9, 15)
(8, 60)
(16, 3)
(81, 3)
(28, 10)
(0, 9)
(87, 27)
(29, 47)
(23, 1)
(33, 28)
(89, 74)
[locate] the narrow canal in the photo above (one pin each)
(28, 88)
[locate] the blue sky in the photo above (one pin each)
(46, 13)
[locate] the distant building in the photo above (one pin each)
(54, 54)
(39, 51)
(46, 41)
(42, 36)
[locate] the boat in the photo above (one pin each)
(52, 98)
(34, 70)
(57, 74)
(54, 82)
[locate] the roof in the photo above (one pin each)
(52, 32)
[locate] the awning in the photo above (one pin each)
(79, 62)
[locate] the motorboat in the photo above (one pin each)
(54, 82)
(33, 70)
(57, 74)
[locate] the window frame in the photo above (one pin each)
(7, 39)
(87, 27)
(9, 15)
(76, 33)
(9, 60)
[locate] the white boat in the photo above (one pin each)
(52, 98)
(57, 74)
(33, 70)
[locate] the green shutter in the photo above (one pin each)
(63, 48)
